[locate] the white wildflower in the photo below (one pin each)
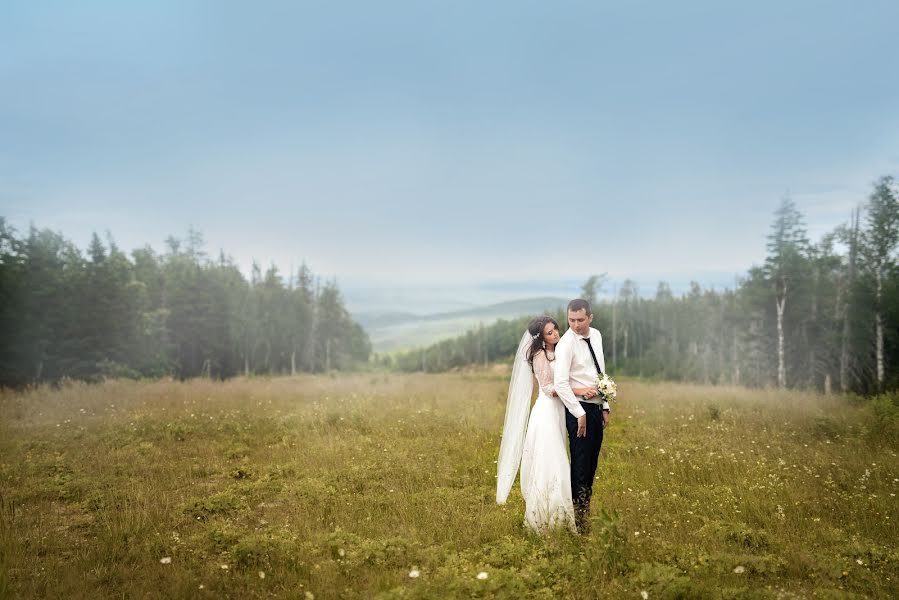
(644, 594)
(739, 569)
(414, 573)
(482, 575)
(166, 560)
(261, 574)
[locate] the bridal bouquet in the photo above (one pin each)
(608, 389)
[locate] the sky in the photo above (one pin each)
(408, 143)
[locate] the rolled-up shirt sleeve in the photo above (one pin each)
(561, 381)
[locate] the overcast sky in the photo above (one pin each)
(424, 141)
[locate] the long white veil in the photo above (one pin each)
(518, 405)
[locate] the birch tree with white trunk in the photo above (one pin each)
(784, 267)
(880, 239)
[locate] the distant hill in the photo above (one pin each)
(398, 330)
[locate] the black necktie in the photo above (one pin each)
(593, 354)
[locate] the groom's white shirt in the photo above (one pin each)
(575, 368)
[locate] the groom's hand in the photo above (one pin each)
(582, 426)
(605, 418)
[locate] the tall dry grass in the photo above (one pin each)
(340, 486)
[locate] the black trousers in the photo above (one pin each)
(584, 457)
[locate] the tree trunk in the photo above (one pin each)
(812, 343)
(309, 350)
(878, 331)
(844, 354)
(614, 327)
(477, 350)
(675, 357)
(844, 349)
(706, 350)
(293, 361)
(735, 378)
(781, 367)
(840, 318)
(638, 342)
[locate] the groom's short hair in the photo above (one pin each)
(579, 304)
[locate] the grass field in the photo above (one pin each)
(326, 487)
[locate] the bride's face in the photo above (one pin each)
(550, 333)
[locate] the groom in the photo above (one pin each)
(579, 361)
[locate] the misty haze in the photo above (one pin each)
(466, 300)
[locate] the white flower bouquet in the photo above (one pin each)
(607, 388)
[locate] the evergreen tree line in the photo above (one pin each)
(819, 315)
(89, 315)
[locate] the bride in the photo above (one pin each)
(542, 453)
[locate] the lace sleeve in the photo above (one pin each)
(544, 372)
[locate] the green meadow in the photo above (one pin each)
(383, 486)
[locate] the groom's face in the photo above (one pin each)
(580, 321)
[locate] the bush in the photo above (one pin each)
(883, 423)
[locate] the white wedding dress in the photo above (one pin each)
(534, 443)
(545, 470)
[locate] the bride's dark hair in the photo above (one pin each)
(535, 328)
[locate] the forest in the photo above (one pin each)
(91, 315)
(819, 315)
